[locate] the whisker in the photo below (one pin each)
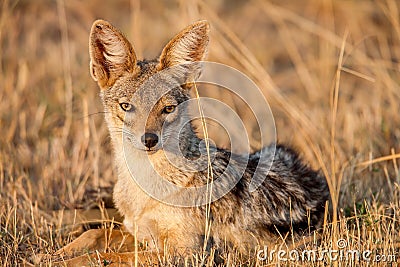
(121, 130)
(92, 114)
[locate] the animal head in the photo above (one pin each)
(142, 97)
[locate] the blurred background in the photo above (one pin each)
(328, 68)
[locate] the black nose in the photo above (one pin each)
(149, 140)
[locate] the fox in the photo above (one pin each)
(291, 198)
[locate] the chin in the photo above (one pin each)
(151, 152)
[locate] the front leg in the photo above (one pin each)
(102, 240)
(143, 258)
(102, 246)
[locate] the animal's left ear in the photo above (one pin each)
(111, 54)
(188, 46)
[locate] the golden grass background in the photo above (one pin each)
(329, 69)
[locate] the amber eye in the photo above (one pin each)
(169, 109)
(126, 107)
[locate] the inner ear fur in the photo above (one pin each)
(188, 46)
(111, 54)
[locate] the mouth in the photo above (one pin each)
(150, 151)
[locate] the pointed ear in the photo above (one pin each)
(111, 54)
(190, 45)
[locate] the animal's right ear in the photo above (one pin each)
(185, 52)
(111, 54)
(188, 46)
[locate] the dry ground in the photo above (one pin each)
(330, 70)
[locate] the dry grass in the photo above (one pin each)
(330, 70)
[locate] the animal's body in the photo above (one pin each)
(291, 198)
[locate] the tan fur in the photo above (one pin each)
(240, 219)
(111, 54)
(113, 64)
(188, 46)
